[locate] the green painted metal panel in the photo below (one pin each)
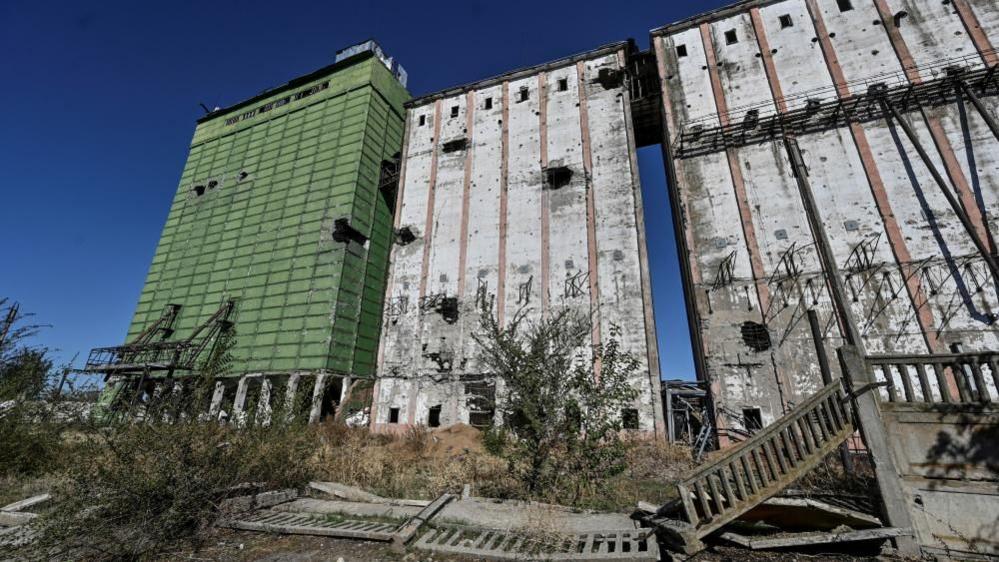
(273, 183)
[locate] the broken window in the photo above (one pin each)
(282, 101)
(752, 419)
(423, 120)
(480, 399)
(557, 177)
(563, 84)
(232, 120)
(344, 232)
(454, 110)
(488, 103)
(681, 51)
(393, 415)
(756, 336)
(455, 145)
(844, 5)
(731, 38)
(524, 94)
(629, 418)
(266, 107)
(786, 21)
(434, 416)
(248, 114)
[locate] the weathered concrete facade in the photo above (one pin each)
(517, 192)
(914, 279)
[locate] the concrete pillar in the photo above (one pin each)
(289, 397)
(263, 416)
(238, 416)
(216, 403)
(865, 406)
(344, 390)
(317, 399)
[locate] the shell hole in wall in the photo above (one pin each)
(756, 336)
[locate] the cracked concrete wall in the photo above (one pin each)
(506, 234)
(911, 272)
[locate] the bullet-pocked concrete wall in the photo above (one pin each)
(914, 279)
(484, 227)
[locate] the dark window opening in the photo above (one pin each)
(731, 38)
(404, 235)
(629, 418)
(557, 177)
(455, 145)
(786, 21)
(330, 398)
(756, 336)
(563, 84)
(199, 190)
(434, 417)
(232, 120)
(844, 5)
(752, 419)
(282, 101)
(681, 51)
(454, 110)
(488, 104)
(343, 232)
(266, 107)
(449, 309)
(524, 94)
(393, 415)
(423, 120)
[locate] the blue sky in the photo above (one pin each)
(100, 98)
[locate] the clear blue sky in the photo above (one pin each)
(99, 101)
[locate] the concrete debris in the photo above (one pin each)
(838, 535)
(26, 503)
(356, 494)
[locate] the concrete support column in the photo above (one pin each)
(317, 398)
(215, 406)
(263, 416)
(895, 505)
(289, 397)
(238, 415)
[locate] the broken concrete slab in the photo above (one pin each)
(349, 508)
(26, 503)
(15, 518)
(353, 493)
(490, 544)
(808, 514)
(275, 521)
(257, 501)
(512, 514)
(814, 538)
(409, 530)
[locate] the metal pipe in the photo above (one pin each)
(842, 309)
(962, 87)
(891, 112)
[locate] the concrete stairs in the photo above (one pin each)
(744, 476)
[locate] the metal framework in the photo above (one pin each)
(151, 352)
(697, 139)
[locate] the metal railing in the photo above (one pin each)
(948, 378)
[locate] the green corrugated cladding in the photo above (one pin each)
(303, 301)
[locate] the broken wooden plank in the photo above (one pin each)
(816, 538)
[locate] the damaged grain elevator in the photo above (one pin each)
(278, 232)
(801, 138)
(517, 193)
(838, 156)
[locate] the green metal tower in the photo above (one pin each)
(285, 210)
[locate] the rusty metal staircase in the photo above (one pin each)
(744, 476)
